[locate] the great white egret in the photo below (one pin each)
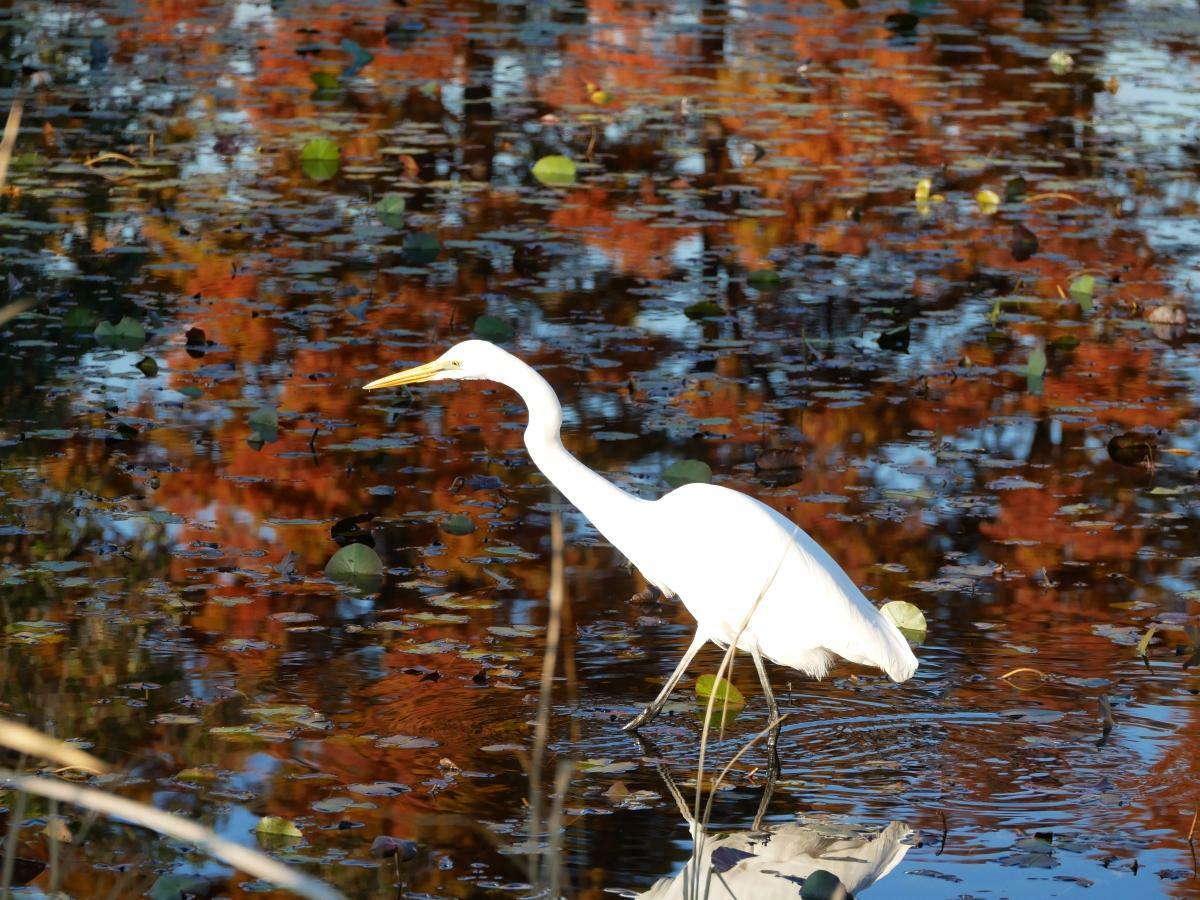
(744, 571)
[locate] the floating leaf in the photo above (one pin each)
(554, 171)
(1133, 448)
(492, 329)
(1036, 365)
(606, 766)
(726, 693)
(326, 82)
(278, 826)
(908, 618)
(79, 317)
(923, 190)
(386, 847)
(147, 366)
(128, 334)
(355, 564)
(265, 422)
(1024, 243)
(988, 201)
(1083, 291)
(687, 471)
(704, 309)
(320, 159)
(421, 248)
(390, 210)
(458, 524)
(379, 789)
(764, 278)
(174, 887)
(1143, 646)
(1061, 62)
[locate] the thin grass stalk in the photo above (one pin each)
(10, 843)
(562, 780)
(712, 794)
(549, 661)
(726, 663)
(55, 855)
(204, 839)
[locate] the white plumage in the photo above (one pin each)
(716, 549)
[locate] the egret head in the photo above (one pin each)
(470, 360)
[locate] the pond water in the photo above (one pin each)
(988, 406)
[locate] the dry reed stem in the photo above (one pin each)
(26, 740)
(245, 859)
(11, 128)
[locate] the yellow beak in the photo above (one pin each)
(408, 376)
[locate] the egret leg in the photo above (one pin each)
(772, 709)
(650, 712)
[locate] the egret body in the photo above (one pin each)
(745, 572)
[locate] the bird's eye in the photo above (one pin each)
(457, 363)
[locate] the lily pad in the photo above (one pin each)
(687, 471)
(356, 564)
(493, 329)
(421, 248)
(726, 693)
(320, 159)
(278, 826)
(458, 524)
(908, 618)
(555, 171)
(390, 210)
(127, 334)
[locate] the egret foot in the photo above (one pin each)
(651, 712)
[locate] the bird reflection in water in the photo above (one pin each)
(821, 859)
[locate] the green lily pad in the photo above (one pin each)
(704, 309)
(458, 524)
(128, 334)
(357, 565)
(1083, 291)
(265, 422)
(555, 171)
(278, 826)
(390, 210)
(493, 329)
(421, 248)
(726, 694)
(320, 159)
(908, 618)
(764, 278)
(687, 471)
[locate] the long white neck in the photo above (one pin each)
(607, 506)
